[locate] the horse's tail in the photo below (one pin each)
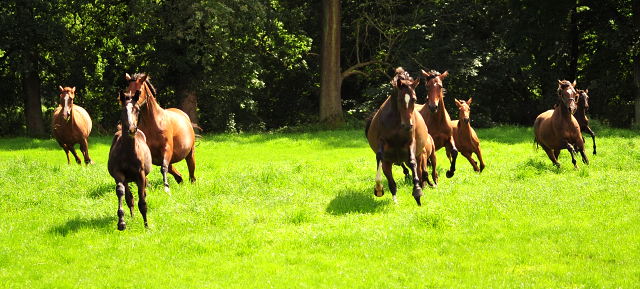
(536, 143)
(367, 123)
(198, 137)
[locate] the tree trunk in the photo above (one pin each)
(33, 104)
(190, 105)
(330, 76)
(573, 66)
(636, 60)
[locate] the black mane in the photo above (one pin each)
(138, 75)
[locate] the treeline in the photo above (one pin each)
(254, 64)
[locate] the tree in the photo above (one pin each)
(330, 76)
(636, 58)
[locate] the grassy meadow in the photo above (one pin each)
(297, 210)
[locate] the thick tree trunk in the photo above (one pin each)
(190, 105)
(33, 104)
(636, 59)
(573, 67)
(330, 76)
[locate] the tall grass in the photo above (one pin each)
(297, 210)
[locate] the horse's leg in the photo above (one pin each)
(434, 173)
(405, 171)
(413, 165)
(128, 197)
(142, 198)
(120, 190)
(387, 170)
(479, 154)
(174, 172)
(473, 163)
(166, 159)
(84, 148)
(191, 165)
(593, 136)
(73, 151)
(378, 190)
(581, 148)
(552, 155)
(451, 148)
(569, 147)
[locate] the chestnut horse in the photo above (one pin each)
(467, 141)
(130, 158)
(71, 125)
(397, 134)
(557, 129)
(581, 115)
(169, 132)
(437, 118)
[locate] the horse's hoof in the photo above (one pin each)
(379, 193)
(418, 201)
(146, 225)
(450, 174)
(395, 199)
(417, 192)
(167, 190)
(122, 226)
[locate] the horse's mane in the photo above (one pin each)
(431, 74)
(564, 84)
(138, 75)
(401, 75)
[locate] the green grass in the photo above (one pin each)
(297, 210)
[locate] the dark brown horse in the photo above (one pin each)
(130, 159)
(437, 118)
(557, 129)
(397, 134)
(581, 115)
(467, 141)
(71, 125)
(169, 132)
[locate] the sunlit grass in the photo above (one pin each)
(297, 210)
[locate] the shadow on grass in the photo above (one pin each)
(357, 202)
(79, 223)
(102, 190)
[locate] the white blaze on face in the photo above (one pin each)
(407, 98)
(129, 116)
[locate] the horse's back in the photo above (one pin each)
(183, 135)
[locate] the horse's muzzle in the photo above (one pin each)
(433, 108)
(133, 131)
(406, 127)
(466, 120)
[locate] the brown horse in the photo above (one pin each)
(130, 159)
(467, 141)
(169, 132)
(581, 115)
(397, 134)
(437, 117)
(557, 129)
(71, 125)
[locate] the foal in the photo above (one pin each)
(71, 125)
(130, 159)
(581, 115)
(557, 129)
(466, 139)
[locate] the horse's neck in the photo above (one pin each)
(463, 127)
(151, 112)
(562, 110)
(442, 115)
(580, 111)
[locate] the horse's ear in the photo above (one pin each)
(424, 73)
(73, 89)
(586, 90)
(143, 78)
(61, 89)
(574, 84)
(136, 96)
(445, 74)
(127, 76)
(458, 103)
(416, 82)
(559, 81)
(122, 97)
(469, 101)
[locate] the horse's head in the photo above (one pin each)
(137, 83)
(130, 111)
(465, 110)
(67, 95)
(584, 98)
(405, 93)
(435, 90)
(567, 94)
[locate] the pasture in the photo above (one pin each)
(298, 211)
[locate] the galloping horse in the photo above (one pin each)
(581, 115)
(465, 136)
(397, 134)
(71, 125)
(130, 159)
(557, 129)
(169, 132)
(437, 118)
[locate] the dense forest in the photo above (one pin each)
(255, 65)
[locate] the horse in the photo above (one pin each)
(581, 115)
(437, 118)
(557, 129)
(467, 141)
(169, 132)
(130, 158)
(71, 125)
(397, 134)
